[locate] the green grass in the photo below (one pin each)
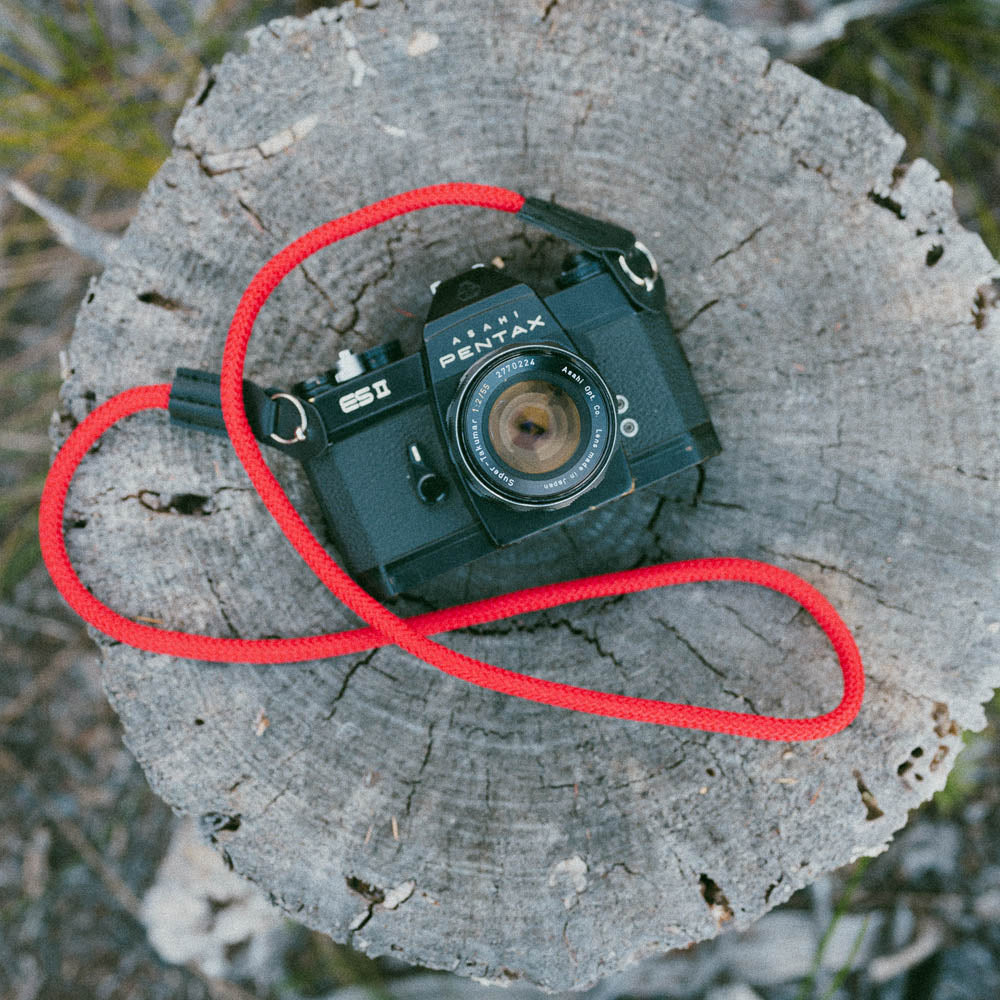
(317, 965)
(808, 988)
(26, 399)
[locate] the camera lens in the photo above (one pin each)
(534, 426)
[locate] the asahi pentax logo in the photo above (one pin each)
(502, 330)
(364, 396)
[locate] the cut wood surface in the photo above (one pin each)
(841, 325)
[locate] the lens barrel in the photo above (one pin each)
(533, 426)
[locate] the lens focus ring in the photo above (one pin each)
(533, 426)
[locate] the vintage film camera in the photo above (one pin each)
(519, 411)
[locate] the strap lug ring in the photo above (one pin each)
(300, 431)
(637, 279)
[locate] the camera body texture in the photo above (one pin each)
(518, 413)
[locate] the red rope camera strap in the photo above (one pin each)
(411, 634)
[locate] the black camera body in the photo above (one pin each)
(518, 413)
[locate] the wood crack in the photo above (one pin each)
(415, 781)
(684, 642)
(221, 605)
(684, 324)
(310, 280)
(548, 624)
(258, 221)
(739, 246)
(352, 670)
(829, 567)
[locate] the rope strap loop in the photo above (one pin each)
(411, 634)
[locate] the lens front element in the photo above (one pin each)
(534, 426)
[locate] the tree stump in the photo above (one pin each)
(838, 321)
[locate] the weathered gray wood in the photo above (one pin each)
(853, 386)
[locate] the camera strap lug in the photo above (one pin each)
(628, 260)
(277, 418)
(299, 434)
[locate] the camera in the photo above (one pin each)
(519, 412)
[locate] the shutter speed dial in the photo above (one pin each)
(381, 355)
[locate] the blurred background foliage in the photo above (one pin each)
(89, 91)
(933, 70)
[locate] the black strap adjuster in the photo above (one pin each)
(277, 418)
(628, 260)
